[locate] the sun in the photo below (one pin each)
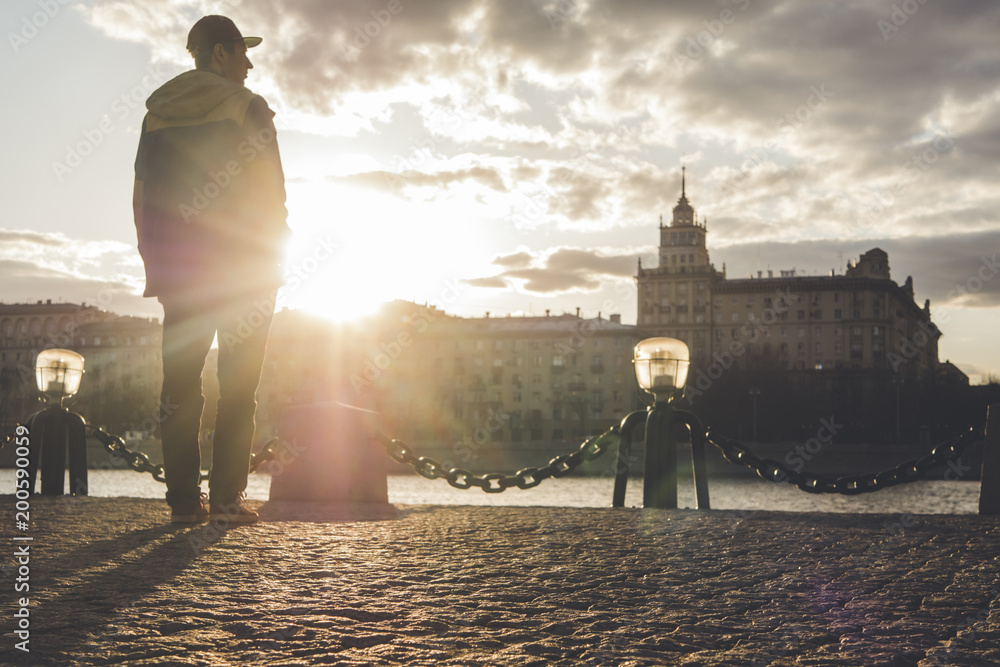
(355, 249)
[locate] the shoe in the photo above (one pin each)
(235, 511)
(189, 510)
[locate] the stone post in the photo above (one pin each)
(329, 454)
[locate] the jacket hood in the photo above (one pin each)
(192, 94)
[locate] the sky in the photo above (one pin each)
(515, 157)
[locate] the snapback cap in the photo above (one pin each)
(214, 29)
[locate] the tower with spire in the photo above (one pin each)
(682, 243)
(674, 297)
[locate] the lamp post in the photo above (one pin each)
(755, 392)
(661, 368)
(54, 430)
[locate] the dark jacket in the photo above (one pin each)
(209, 199)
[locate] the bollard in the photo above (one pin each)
(989, 489)
(329, 454)
(54, 432)
(698, 466)
(659, 488)
(623, 462)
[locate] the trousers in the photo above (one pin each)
(190, 324)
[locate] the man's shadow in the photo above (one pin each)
(88, 592)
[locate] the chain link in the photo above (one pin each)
(116, 447)
(9, 438)
(908, 471)
(139, 462)
(496, 482)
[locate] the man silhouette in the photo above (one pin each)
(209, 205)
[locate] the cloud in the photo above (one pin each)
(25, 237)
(392, 181)
(560, 270)
(40, 266)
(515, 260)
(488, 282)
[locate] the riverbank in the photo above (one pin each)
(112, 582)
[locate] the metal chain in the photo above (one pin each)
(908, 471)
(139, 462)
(9, 438)
(496, 482)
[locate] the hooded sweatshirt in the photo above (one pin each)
(209, 199)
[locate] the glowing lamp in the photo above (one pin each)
(661, 367)
(58, 374)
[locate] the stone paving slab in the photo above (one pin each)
(113, 583)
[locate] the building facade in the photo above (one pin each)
(860, 320)
(122, 372)
(494, 384)
(786, 351)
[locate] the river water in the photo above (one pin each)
(922, 497)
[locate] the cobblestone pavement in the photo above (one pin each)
(113, 583)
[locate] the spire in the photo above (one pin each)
(683, 212)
